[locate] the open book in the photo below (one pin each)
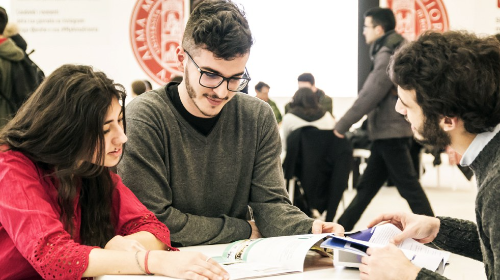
(348, 250)
(268, 256)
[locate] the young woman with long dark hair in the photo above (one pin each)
(63, 213)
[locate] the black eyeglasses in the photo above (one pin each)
(213, 80)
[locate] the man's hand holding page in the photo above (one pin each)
(255, 230)
(419, 227)
(387, 263)
(319, 226)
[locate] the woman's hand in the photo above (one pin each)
(121, 243)
(185, 265)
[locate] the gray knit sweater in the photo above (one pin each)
(481, 242)
(200, 186)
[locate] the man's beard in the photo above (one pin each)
(432, 134)
(192, 94)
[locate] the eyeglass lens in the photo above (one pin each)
(213, 81)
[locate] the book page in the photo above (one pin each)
(268, 256)
(379, 236)
(383, 234)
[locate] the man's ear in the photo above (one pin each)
(379, 30)
(449, 123)
(181, 56)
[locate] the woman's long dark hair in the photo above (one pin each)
(305, 104)
(60, 128)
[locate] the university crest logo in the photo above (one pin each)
(156, 29)
(416, 16)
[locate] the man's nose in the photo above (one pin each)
(221, 91)
(399, 107)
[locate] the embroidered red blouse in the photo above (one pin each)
(33, 242)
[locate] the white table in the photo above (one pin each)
(319, 268)
(315, 267)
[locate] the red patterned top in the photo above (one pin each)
(33, 242)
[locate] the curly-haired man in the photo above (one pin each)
(449, 91)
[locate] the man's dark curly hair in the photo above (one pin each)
(220, 27)
(454, 74)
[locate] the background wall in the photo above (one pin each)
(93, 32)
(297, 36)
(291, 37)
(480, 16)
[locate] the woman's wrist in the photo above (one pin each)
(154, 258)
(138, 261)
(146, 261)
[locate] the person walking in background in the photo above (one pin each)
(63, 213)
(389, 132)
(201, 152)
(262, 91)
(448, 87)
(307, 80)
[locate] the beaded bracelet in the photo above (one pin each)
(137, 260)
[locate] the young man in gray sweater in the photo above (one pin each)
(200, 152)
(449, 90)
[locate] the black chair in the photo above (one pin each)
(320, 162)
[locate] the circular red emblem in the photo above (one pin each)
(156, 29)
(416, 16)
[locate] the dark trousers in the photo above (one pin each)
(389, 157)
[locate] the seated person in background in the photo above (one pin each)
(262, 91)
(138, 88)
(304, 111)
(148, 85)
(317, 158)
(63, 214)
(200, 152)
(448, 87)
(176, 79)
(325, 101)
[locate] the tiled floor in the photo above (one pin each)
(451, 195)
